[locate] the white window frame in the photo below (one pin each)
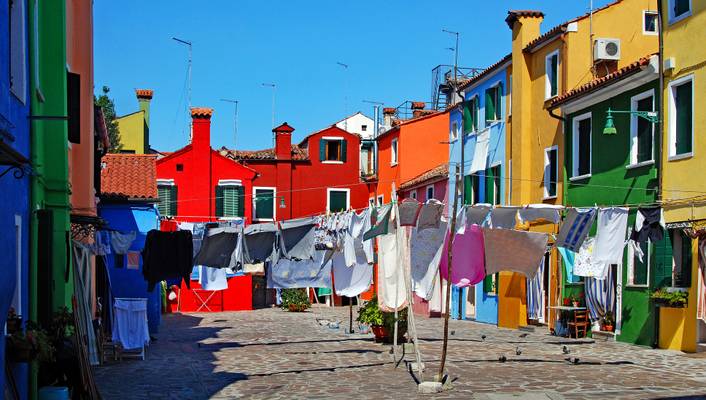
(331, 139)
(631, 265)
(487, 123)
(644, 30)
(633, 130)
(413, 194)
(18, 61)
(670, 12)
(328, 197)
(17, 297)
(426, 192)
(477, 128)
(574, 148)
(548, 82)
(496, 189)
(672, 123)
(274, 203)
(165, 182)
(394, 152)
(547, 175)
(454, 130)
(381, 200)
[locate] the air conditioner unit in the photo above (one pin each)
(606, 49)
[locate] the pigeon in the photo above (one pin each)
(524, 335)
(565, 350)
(573, 360)
(453, 332)
(502, 358)
(482, 337)
(518, 351)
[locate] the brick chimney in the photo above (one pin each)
(387, 114)
(417, 109)
(283, 141)
(201, 140)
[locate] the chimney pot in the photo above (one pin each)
(389, 111)
(144, 94)
(201, 112)
(418, 105)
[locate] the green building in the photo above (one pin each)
(618, 167)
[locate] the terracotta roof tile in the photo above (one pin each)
(201, 112)
(485, 72)
(132, 176)
(514, 15)
(298, 154)
(440, 171)
(597, 83)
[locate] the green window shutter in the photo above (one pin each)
(468, 116)
(662, 271)
(684, 117)
(467, 190)
(554, 68)
(174, 200)
(220, 201)
(232, 201)
(489, 105)
(683, 278)
(337, 200)
(163, 205)
(344, 145)
(240, 196)
(264, 204)
(644, 132)
(489, 193)
(322, 149)
(584, 150)
(498, 101)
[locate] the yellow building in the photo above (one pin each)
(135, 127)
(545, 66)
(683, 162)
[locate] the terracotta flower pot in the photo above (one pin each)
(380, 332)
(608, 328)
(296, 307)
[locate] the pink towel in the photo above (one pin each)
(468, 258)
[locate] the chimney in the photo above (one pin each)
(417, 109)
(283, 141)
(144, 96)
(201, 140)
(387, 114)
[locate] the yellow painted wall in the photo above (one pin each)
(512, 300)
(132, 132)
(677, 326)
(683, 41)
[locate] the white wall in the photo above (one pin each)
(355, 123)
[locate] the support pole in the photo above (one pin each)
(350, 314)
(448, 282)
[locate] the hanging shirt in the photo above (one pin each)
(468, 262)
(297, 238)
(575, 228)
(585, 266)
(649, 224)
(290, 274)
(213, 278)
(510, 250)
(167, 255)
(392, 293)
(426, 248)
(610, 235)
(350, 281)
(122, 241)
(568, 258)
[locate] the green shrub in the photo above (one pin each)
(297, 298)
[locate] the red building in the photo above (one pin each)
(197, 184)
(321, 173)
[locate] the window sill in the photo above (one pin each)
(640, 164)
(649, 33)
(331, 162)
(263, 220)
(629, 285)
(579, 178)
(679, 18)
(549, 197)
(681, 156)
(393, 164)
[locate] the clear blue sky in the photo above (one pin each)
(390, 47)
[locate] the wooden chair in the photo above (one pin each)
(580, 323)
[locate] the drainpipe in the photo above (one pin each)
(660, 122)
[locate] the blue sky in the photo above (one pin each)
(390, 47)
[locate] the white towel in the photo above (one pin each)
(610, 236)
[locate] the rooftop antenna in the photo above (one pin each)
(273, 86)
(345, 95)
(188, 44)
(235, 120)
(455, 49)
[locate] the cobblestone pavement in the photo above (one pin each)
(275, 354)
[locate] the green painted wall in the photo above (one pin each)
(611, 183)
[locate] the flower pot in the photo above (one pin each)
(380, 332)
(296, 307)
(363, 328)
(607, 328)
(575, 303)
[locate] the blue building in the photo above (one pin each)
(128, 196)
(479, 122)
(14, 175)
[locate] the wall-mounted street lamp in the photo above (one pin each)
(281, 203)
(609, 128)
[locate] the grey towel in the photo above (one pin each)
(382, 223)
(409, 211)
(258, 243)
(477, 214)
(527, 251)
(217, 248)
(503, 217)
(531, 214)
(122, 241)
(297, 238)
(430, 215)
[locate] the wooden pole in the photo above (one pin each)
(350, 314)
(449, 254)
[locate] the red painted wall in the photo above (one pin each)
(202, 168)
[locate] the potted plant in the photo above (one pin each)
(670, 298)
(14, 322)
(295, 300)
(32, 344)
(382, 323)
(608, 322)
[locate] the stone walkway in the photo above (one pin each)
(274, 354)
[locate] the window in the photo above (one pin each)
(364, 128)
(332, 149)
(381, 200)
(509, 95)
(371, 202)
(230, 199)
(551, 63)
(678, 10)
(641, 130)
(470, 115)
(430, 192)
(639, 271)
(338, 200)
(167, 192)
(493, 104)
(649, 22)
(490, 284)
(413, 194)
(681, 122)
(551, 171)
(492, 182)
(73, 106)
(18, 55)
(581, 138)
(180, 167)
(475, 188)
(393, 152)
(681, 258)
(264, 203)
(454, 130)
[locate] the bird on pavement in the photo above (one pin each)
(482, 337)
(502, 358)
(524, 335)
(518, 351)
(565, 350)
